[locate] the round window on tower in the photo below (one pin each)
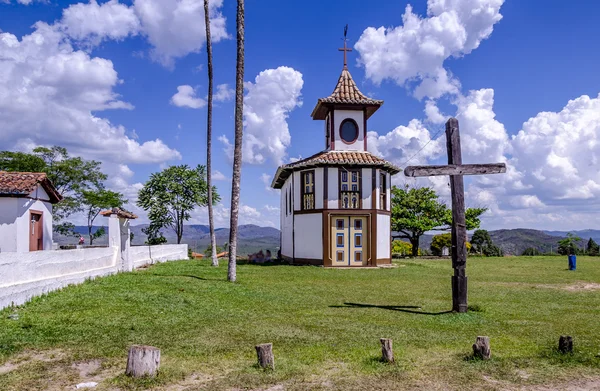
(348, 131)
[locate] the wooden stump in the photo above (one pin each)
(565, 344)
(265, 355)
(143, 361)
(481, 348)
(387, 352)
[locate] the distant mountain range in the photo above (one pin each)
(252, 238)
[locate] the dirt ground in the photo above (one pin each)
(55, 371)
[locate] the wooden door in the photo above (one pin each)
(339, 240)
(36, 231)
(358, 241)
(349, 241)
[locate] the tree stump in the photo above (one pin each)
(481, 348)
(565, 344)
(142, 361)
(265, 355)
(387, 351)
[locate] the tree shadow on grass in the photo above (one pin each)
(188, 276)
(402, 308)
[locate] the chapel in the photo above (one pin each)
(335, 205)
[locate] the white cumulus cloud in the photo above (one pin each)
(417, 49)
(50, 92)
(173, 28)
(186, 97)
(267, 104)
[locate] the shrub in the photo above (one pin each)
(531, 251)
(493, 251)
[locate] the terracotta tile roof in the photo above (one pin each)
(21, 184)
(346, 93)
(125, 214)
(333, 158)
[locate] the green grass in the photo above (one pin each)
(325, 325)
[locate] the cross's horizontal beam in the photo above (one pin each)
(453, 169)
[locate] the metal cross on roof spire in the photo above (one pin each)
(345, 49)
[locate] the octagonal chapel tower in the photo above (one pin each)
(335, 205)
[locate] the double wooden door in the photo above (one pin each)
(349, 240)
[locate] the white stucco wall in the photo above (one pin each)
(319, 187)
(309, 236)
(15, 221)
(296, 190)
(286, 220)
(25, 275)
(389, 192)
(356, 115)
(383, 236)
(333, 190)
(8, 225)
(367, 183)
(145, 255)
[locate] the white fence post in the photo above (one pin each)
(119, 235)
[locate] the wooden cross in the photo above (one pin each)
(456, 170)
(345, 49)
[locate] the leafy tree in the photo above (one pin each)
(211, 223)
(439, 242)
(592, 248)
(94, 201)
(70, 175)
(170, 195)
(401, 247)
(154, 236)
(481, 239)
(493, 251)
(531, 251)
(418, 210)
(568, 245)
(237, 145)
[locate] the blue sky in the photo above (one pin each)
(520, 62)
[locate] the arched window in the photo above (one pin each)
(349, 131)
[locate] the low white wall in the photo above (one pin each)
(144, 255)
(25, 275)
(308, 235)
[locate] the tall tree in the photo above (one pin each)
(480, 240)
(237, 149)
(592, 247)
(70, 175)
(211, 221)
(170, 195)
(418, 210)
(94, 202)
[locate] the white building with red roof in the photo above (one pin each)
(26, 200)
(335, 205)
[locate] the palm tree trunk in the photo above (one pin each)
(237, 149)
(211, 224)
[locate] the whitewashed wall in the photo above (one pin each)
(286, 220)
(383, 236)
(319, 188)
(25, 275)
(309, 236)
(15, 221)
(8, 224)
(367, 184)
(332, 190)
(339, 117)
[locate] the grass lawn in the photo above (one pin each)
(325, 326)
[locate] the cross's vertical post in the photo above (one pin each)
(459, 227)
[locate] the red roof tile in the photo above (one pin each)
(346, 93)
(333, 158)
(21, 184)
(125, 214)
